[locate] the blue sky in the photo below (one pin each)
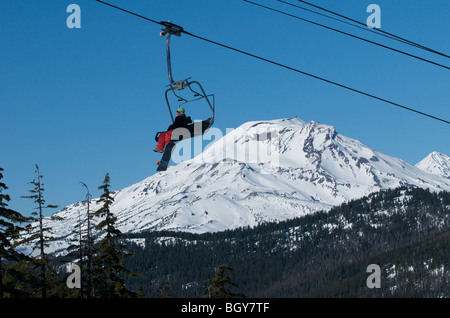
(84, 102)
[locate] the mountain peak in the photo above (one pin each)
(279, 143)
(436, 163)
(283, 122)
(262, 171)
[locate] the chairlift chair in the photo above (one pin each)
(194, 89)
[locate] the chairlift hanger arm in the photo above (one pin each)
(170, 29)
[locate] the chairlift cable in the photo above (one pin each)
(349, 34)
(317, 77)
(287, 67)
(361, 27)
(379, 30)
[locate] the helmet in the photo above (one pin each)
(180, 110)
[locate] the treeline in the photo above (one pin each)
(97, 262)
(404, 231)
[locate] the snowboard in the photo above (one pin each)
(164, 162)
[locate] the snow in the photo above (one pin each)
(259, 172)
(436, 163)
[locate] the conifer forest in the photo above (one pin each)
(403, 232)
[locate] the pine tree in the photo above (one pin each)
(9, 236)
(82, 246)
(109, 271)
(37, 194)
(216, 286)
(89, 244)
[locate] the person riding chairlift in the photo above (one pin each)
(165, 137)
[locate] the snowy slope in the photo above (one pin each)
(259, 172)
(436, 163)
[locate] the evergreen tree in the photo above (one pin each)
(216, 287)
(82, 246)
(109, 271)
(37, 194)
(9, 236)
(89, 244)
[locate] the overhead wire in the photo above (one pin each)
(283, 65)
(376, 29)
(132, 13)
(361, 27)
(348, 34)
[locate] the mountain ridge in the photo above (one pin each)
(263, 171)
(436, 163)
(403, 230)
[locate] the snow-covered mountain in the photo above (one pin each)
(262, 171)
(436, 163)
